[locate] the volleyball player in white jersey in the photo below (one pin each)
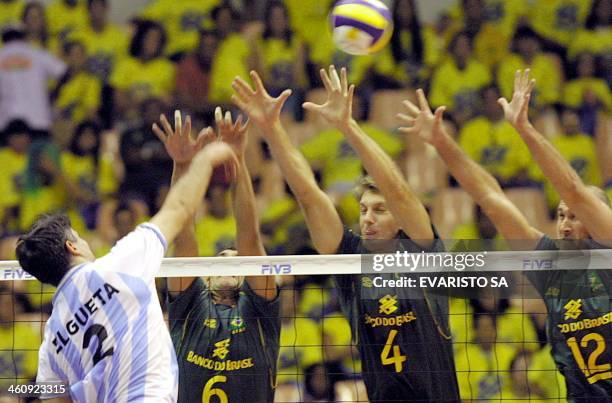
(106, 337)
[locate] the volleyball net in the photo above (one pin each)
(496, 319)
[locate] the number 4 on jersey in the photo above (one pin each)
(397, 358)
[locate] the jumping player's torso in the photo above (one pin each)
(402, 335)
(225, 353)
(579, 327)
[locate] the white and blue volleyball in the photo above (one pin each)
(361, 27)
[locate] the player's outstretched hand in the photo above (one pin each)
(517, 110)
(263, 109)
(232, 133)
(337, 109)
(179, 143)
(421, 121)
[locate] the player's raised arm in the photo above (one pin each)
(403, 203)
(322, 219)
(248, 237)
(182, 147)
(185, 196)
(481, 185)
(590, 209)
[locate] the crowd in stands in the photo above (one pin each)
(79, 94)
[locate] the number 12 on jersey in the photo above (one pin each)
(397, 358)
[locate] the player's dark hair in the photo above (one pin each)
(288, 34)
(366, 184)
(142, 29)
(42, 251)
(416, 52)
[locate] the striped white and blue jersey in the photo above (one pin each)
(106, 337)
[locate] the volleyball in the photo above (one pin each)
(361, 27)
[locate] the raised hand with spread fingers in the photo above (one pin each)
(338, 107)
(179, 143)
(422, 122)
(263, 109)
(517, 110)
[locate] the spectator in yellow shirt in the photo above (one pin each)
(81, 163)
(482, 366)
(519, 386)
(492, 142)
(283, 56)
(10, 11)
(577, 148)
(558, 20)
(587, 93)
(146, 73)
(66, 16)
(19, 341)
(105, 42)
(596, 36)
(13, 160)
(236, 55)
(458, 81)
(527, 54)
(77, 95)
(182, 21)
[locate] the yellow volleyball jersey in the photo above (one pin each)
(182, 21)
(62, 20)
(543, 70)
(481, 374)
(279, 58)
(458, 89)
(496, 146)
(81, 170)
(79, 98)
(10, 12)
(300, 347)
(13, 176)
(231, 61)
(155, 78)
(19, 343)
(598, 42)
(579, 150)
(104, 49)
(337, 333)
(215, 234)
(341, 165)
(559, 20)
(575, 90)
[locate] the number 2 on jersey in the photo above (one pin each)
(209, 391)
(592, 371)
(397, 358)
(100, 331)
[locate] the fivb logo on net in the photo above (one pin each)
(407, 261)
